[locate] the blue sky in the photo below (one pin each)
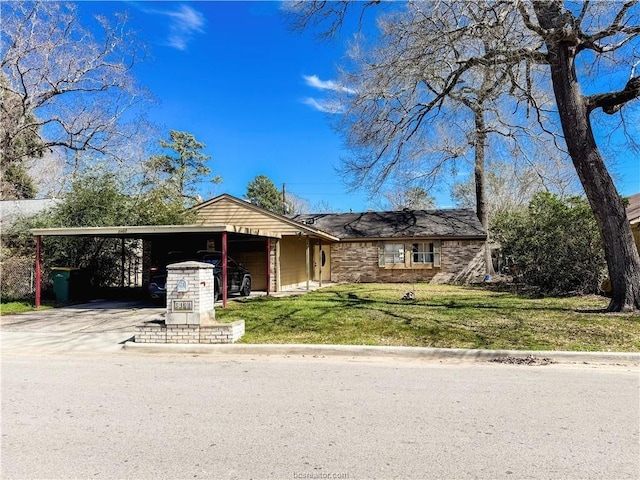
(233, 75)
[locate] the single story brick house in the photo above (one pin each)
(283, 252)
(633, 214)
(401, 246)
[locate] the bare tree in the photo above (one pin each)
(609, 33)
(48, 174)
(70, 88)
(412, 80)
(322, 207)
(15, 182)
(296, 204)
(412, 198)
(468, 42)
(510, 184)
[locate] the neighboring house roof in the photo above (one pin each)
(12, 210)
(400, 224)
(633, 209)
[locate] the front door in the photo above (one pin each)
(322, 263)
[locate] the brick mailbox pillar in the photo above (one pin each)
(190, 294)
(190, 316)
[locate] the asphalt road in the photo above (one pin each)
(128, 415)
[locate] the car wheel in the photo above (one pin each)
(246, 287)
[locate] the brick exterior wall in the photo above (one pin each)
(457, 254)
(273, 269)
(358, 262)
(154, 332)
(354, 262)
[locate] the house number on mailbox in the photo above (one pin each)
(183, 306)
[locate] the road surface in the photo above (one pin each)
(135, 416)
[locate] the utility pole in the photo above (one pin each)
(284, 200)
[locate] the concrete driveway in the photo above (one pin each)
(94, 326)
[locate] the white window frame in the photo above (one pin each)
(394, 254)
(422, 252)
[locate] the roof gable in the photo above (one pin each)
(228, 210)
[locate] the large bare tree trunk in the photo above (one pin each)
(622, 256)
(480, 142)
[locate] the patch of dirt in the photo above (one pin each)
(528, 360)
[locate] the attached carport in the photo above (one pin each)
(261, 248)
(177, 235)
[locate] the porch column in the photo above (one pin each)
(224, 269)
(320, 261)
(308, 262)
(278, 275)
(38, 270)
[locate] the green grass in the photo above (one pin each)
(18, 306)
(440, 316)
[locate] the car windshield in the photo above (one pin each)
(214, 260)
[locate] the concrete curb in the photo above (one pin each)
(423, 353)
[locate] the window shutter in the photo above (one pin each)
(381, 254)
(437, 253)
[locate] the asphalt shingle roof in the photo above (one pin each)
(400, 224)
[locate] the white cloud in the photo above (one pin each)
(315, 82)
(324, 105)
(185, 23)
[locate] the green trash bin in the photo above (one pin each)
(62, 282)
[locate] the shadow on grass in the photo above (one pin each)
(380, 317)
(352, 299)
(375, 321)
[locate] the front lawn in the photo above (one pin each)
(440, 316)
(10, 307)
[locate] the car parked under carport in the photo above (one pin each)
(238, 277)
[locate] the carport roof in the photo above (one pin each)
(141, 231)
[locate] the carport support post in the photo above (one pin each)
(308, 263)
(38, 271)
(122, 262)
(224, 269)
(268, 265)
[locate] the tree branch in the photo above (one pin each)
(614, 101)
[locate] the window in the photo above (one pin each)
(393, 253)
(422, 252)
(420, 255)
